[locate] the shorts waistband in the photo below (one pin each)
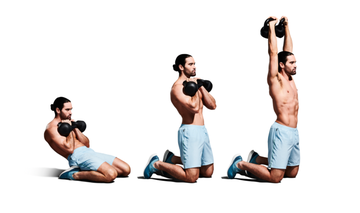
(78, 151)
(192, 126)
(277, 125)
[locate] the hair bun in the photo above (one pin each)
(176, 68)
(52, 107)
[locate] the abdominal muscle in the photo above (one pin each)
(193, 119)
(287, 113)
(66, 152)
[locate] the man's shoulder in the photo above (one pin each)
(276, 79)
(177, 87)
(50, 128)
(52, 124)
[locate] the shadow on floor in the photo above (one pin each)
(246, 179)
(163, 179)
(46, 172)
(55, 172)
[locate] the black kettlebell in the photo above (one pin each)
(190, 88)
(64, 129)
(206, 84)
(279, 29)
(81, 125)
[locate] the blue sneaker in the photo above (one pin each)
(167, 157)
(68, 174)
(150, 169)
(252, 159)
(233, 169)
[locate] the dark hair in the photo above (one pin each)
(59, 103)
(180, 60)
(282, 57)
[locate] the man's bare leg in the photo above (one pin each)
(207, 171)
(291, 171)
(274, 175)
(105, 173)
(187, 175)
(262, 160)
(123, 169)
(176, 160)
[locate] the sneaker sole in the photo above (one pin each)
(69, 169)
(149, 160)
(232, 161)
(165, 155)
(250, 155)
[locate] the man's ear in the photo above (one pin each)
(57, 110)
(282, 65)
(181, 67)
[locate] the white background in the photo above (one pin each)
(113, 60)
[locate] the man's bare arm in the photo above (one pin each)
(190, 103)
(81, 137)
(288, 44)
(63, 143)
(273, 51)
(208, 99)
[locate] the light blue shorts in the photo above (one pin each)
(194, 145)
(88, 160)
(283, 147)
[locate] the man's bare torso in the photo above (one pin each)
(188, 117)
(54, 139)
(285, 101)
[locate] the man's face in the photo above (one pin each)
(189, 69)
(65, 113)
(290, 65)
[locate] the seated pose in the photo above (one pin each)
(65, 137)
(283, 141)
(188, 95)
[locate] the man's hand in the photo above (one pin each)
(66, 121)
(192, 79)
(286, 20)
(273, 22)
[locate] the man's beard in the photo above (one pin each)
(63, 117)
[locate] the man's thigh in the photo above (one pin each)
(276, 175)
(291, 171)
(207, 171)
(121, 167)
(192, 174)
(107, 170)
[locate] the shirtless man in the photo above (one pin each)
(85, 164)
(195, 150)
(283, 141)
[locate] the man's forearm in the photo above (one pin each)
(208, 99)
(288, 44)
(272, 42)
(194, 103)
(81, 137)
(70, 141)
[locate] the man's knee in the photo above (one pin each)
(192, 178)
(276, 175)
(126, 171)
(121, 167)
(110, 174)
(207, 171)
(291, 172)
(192, 175)
(276, 179)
